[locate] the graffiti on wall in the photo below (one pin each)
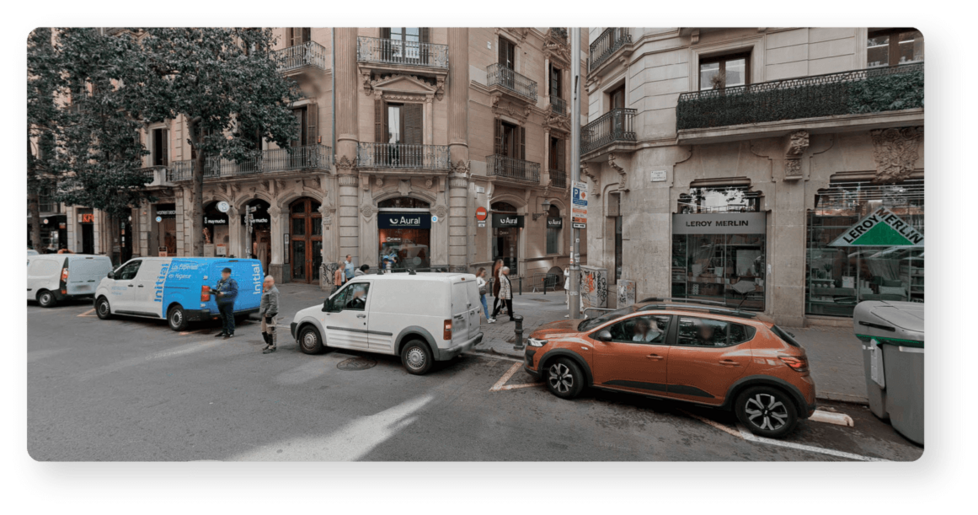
(626, 293)
(594, 287)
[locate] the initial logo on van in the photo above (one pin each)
(160, 282)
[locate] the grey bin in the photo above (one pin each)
(892, 335)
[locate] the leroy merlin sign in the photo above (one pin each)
(881, 228)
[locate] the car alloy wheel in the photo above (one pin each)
(766, 412)
(560, 378)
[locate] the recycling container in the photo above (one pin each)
(892, 335)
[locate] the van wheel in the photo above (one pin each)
(102, 308)
(310, 342)
(416, 357)
(564, 378)
(46, 299)
(176, 318)
(766, 411)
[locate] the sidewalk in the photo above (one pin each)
(834, 353)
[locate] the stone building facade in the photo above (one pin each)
(723, 164)
(430, 125)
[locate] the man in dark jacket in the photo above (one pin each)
(268, 310)
(226, 291)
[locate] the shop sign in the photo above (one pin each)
(555, 222)
(404, 220)
(502, 221)
(579, 205)
(881, 228)
(720, 223)
(86, 218)
(223, 206)
(159, 219)
(217, 221)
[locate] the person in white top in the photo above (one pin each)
(644, 333)
(480, 280)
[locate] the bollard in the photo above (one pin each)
(519, 332)
(521, 285)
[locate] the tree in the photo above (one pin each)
(99, 134)
(43, 119)
(219, 81)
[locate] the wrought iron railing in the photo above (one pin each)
(309, 53)
(396, 51)
(860, 91)
(614, 126)
(606, 45)
(415, 157)
(558, 178)
(310, 157)
(559, 32)
(499, 75)
(502, 166)
(558, 105)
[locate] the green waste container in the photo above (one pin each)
(893, 360)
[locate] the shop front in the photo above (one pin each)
(163, 232)
(86, 221)
(54, 233)
(507, 226)
(720, 257)
(216, 230)
(258, 234)
(404, 232)
(865, 242)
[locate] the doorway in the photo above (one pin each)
(506, 235)
(306, 240)
(258, 244)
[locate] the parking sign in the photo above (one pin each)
(579, 205)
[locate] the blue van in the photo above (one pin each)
(177, 289)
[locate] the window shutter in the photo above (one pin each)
(164, 152)
(380, 121)
(413, 124)
(312, 123)
(560, 155)
(385, 33)
(523, 143)
(501, 47)
(290, 36)
(425, 34)
(499, 138)
(306, 35)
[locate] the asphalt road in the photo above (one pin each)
(129, 389)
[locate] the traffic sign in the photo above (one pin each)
(579, 205)
(481, 214)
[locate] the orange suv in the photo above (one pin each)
(716, 357)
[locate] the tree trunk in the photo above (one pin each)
(197, 207)
(33, 204)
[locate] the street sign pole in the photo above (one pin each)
(248, 211)
(575, 258)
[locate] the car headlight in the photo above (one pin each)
(534, 342)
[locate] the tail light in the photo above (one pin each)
(64, 274)
(64, 281)
(205, 293)
(447, 335)
(795, 363)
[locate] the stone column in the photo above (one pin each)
(349, 217)
(275, 264)
(234, 232)
(458, 140)
(347, 138)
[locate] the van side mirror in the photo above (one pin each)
(603, 335)
(111, 275)
(326, 305)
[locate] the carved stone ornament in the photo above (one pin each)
(792, 169)
(556, 122)
(344, 163)
(502, 107)
(440, 92)
(623, 181)
(368, 88)
(367, 209)
(379, 179)
(895, 151)
(594, 180)
(461, 168)
(429, 182)
(441, 211)
(797, 143)
(404, 187)
(365, 182)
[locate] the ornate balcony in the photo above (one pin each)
(612, 39)
(615, 126)
(307, 158)
(558, 178)
(859, 92)
(380, 51)
(502, 166)
(508, 81)
(558, 106)
(559, 32)
(402, 157)
(298, 57)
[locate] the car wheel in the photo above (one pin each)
(46, 299)
(309, 340)
(564, 378)
(102, 308)
(416, 357)
(177, 318)
(766, 411)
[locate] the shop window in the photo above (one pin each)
(892, 47)
(554, 227)
(839, 276)
(403, 203)
(404, 227)
(725, 71)
(506, 236)
(731, 199)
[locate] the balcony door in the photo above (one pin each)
(405, 44)
(400, 132)
(511, 146)
(507, 53)
(556, 82)
(297, 36)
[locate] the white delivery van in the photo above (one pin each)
(421, 317)
(55, 277)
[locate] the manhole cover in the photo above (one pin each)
(356, 364)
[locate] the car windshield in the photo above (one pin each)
(591, 323)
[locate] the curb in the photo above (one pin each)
(842, 397)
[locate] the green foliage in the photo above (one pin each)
(890, 92)
(43, 115)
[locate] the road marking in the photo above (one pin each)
(713, 423)
(750, 437)
(88, 313)
(830, 417)
(187, 348)
(502, 380)
(185, 333)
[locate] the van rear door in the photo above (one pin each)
(465, 306)
(85, 272)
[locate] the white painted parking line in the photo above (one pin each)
(831, 417)
(502, 380)
(88, 313)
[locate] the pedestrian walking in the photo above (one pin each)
(268, 310)
(348, 268)
(496, 267)
(338, 279)
(480, 280)
(361, 271)
(505, 293)
(226, 291)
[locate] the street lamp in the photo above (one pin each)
(546, 210)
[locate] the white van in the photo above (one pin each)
(422, 318)
(55, 277)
